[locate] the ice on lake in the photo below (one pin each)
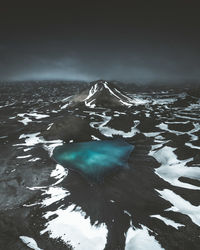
(94, 159)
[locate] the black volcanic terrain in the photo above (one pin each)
(152, 204)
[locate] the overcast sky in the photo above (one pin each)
(158, 41)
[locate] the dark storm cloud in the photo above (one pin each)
(142, 43)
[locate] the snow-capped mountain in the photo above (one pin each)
(102, 94)
(151, 204)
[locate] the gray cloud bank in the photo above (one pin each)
(129, 64)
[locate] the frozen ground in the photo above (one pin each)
(154, 204)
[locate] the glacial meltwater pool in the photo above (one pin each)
(94, 159)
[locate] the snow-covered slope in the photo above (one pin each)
(102, 94)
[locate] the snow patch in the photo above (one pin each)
(167, 221)
(109, 132)
(172, 169)
(139, 239)
(33, 139)
(180, 205)
(23, 156)
(74, 229)
(30, 242)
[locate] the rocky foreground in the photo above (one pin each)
(154, 204)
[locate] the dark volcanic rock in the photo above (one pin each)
(194, 92)
(190, 181)
(69, 128)
(184, 102)
(122, 122)
(125, 198)
(102, 94)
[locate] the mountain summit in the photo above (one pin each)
(102, 94)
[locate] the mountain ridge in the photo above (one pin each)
(102, 94)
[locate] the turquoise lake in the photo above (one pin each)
(94, 159)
